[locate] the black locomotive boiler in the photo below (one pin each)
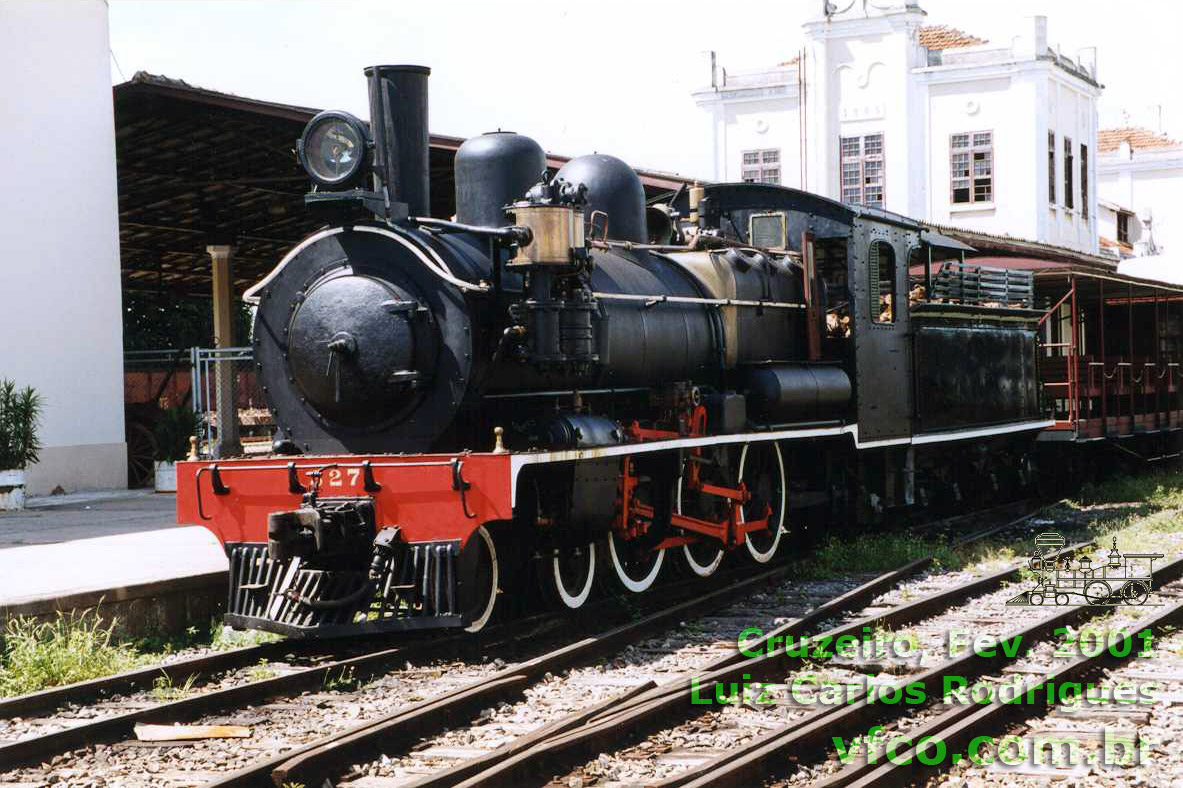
(564, 382)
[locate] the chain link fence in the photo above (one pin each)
(226, 391)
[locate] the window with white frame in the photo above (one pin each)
(862, 170)
(761, 166)
(1084, 182)
(971, 167)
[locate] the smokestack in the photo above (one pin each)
(398, 122)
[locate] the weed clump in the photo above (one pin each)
(879, 552)
(72, 647)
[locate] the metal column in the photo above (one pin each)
(227, 444)
(1104, 374)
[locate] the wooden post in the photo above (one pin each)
(227, 443)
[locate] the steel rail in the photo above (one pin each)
(328, 762)
(181, 671)
(1012, 507)
(120, 726)
(754, 761)
(672, 701)
(176, 673)
(960, 726)
(328, 758)
(854, 598)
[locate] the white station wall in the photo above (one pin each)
(60, 301)
(1150, 192)
(762, 125)
(987, 105)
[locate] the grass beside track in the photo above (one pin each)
(80, 646)
(1144, 512)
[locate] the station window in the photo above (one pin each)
(1084, 182)
(971, 167)
(862, 170)
(761, 166)
(1051, 167)
(1068, 164)
(881, 282)
(1123, 227)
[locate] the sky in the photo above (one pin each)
(608, 76)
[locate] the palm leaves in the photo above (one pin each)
(20, 416)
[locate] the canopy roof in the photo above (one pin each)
(199, 167)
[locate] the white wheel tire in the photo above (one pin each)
(700, 570)
(635, 586)
(569, 600)
(767, 555)
(479, 623)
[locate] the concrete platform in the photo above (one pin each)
(59, 518)
(153, 576)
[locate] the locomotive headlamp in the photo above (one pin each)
(333, 148)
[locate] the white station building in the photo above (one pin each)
(881, 109)
(1140, 173)
(61, 329)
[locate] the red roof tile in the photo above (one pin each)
(1137, 137)
(945, 37)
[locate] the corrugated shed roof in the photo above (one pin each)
(935, 37)
(1139, 139)
(655, 179)
(198, 166)
(990, 243)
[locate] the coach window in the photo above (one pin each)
(881, 282)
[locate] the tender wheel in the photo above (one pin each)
(1135, 593)
(634, 564)
(1035, 599)
(1062, 600)
(762, 469)
(479, 594)
(571, 573)
(1096, 592)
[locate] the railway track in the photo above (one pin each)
(669, 711)
(406, 704)
(1052, 664)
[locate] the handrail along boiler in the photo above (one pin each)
(562, 383)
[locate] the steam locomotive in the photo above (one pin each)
(564, 382)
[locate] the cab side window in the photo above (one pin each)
(881, 282)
